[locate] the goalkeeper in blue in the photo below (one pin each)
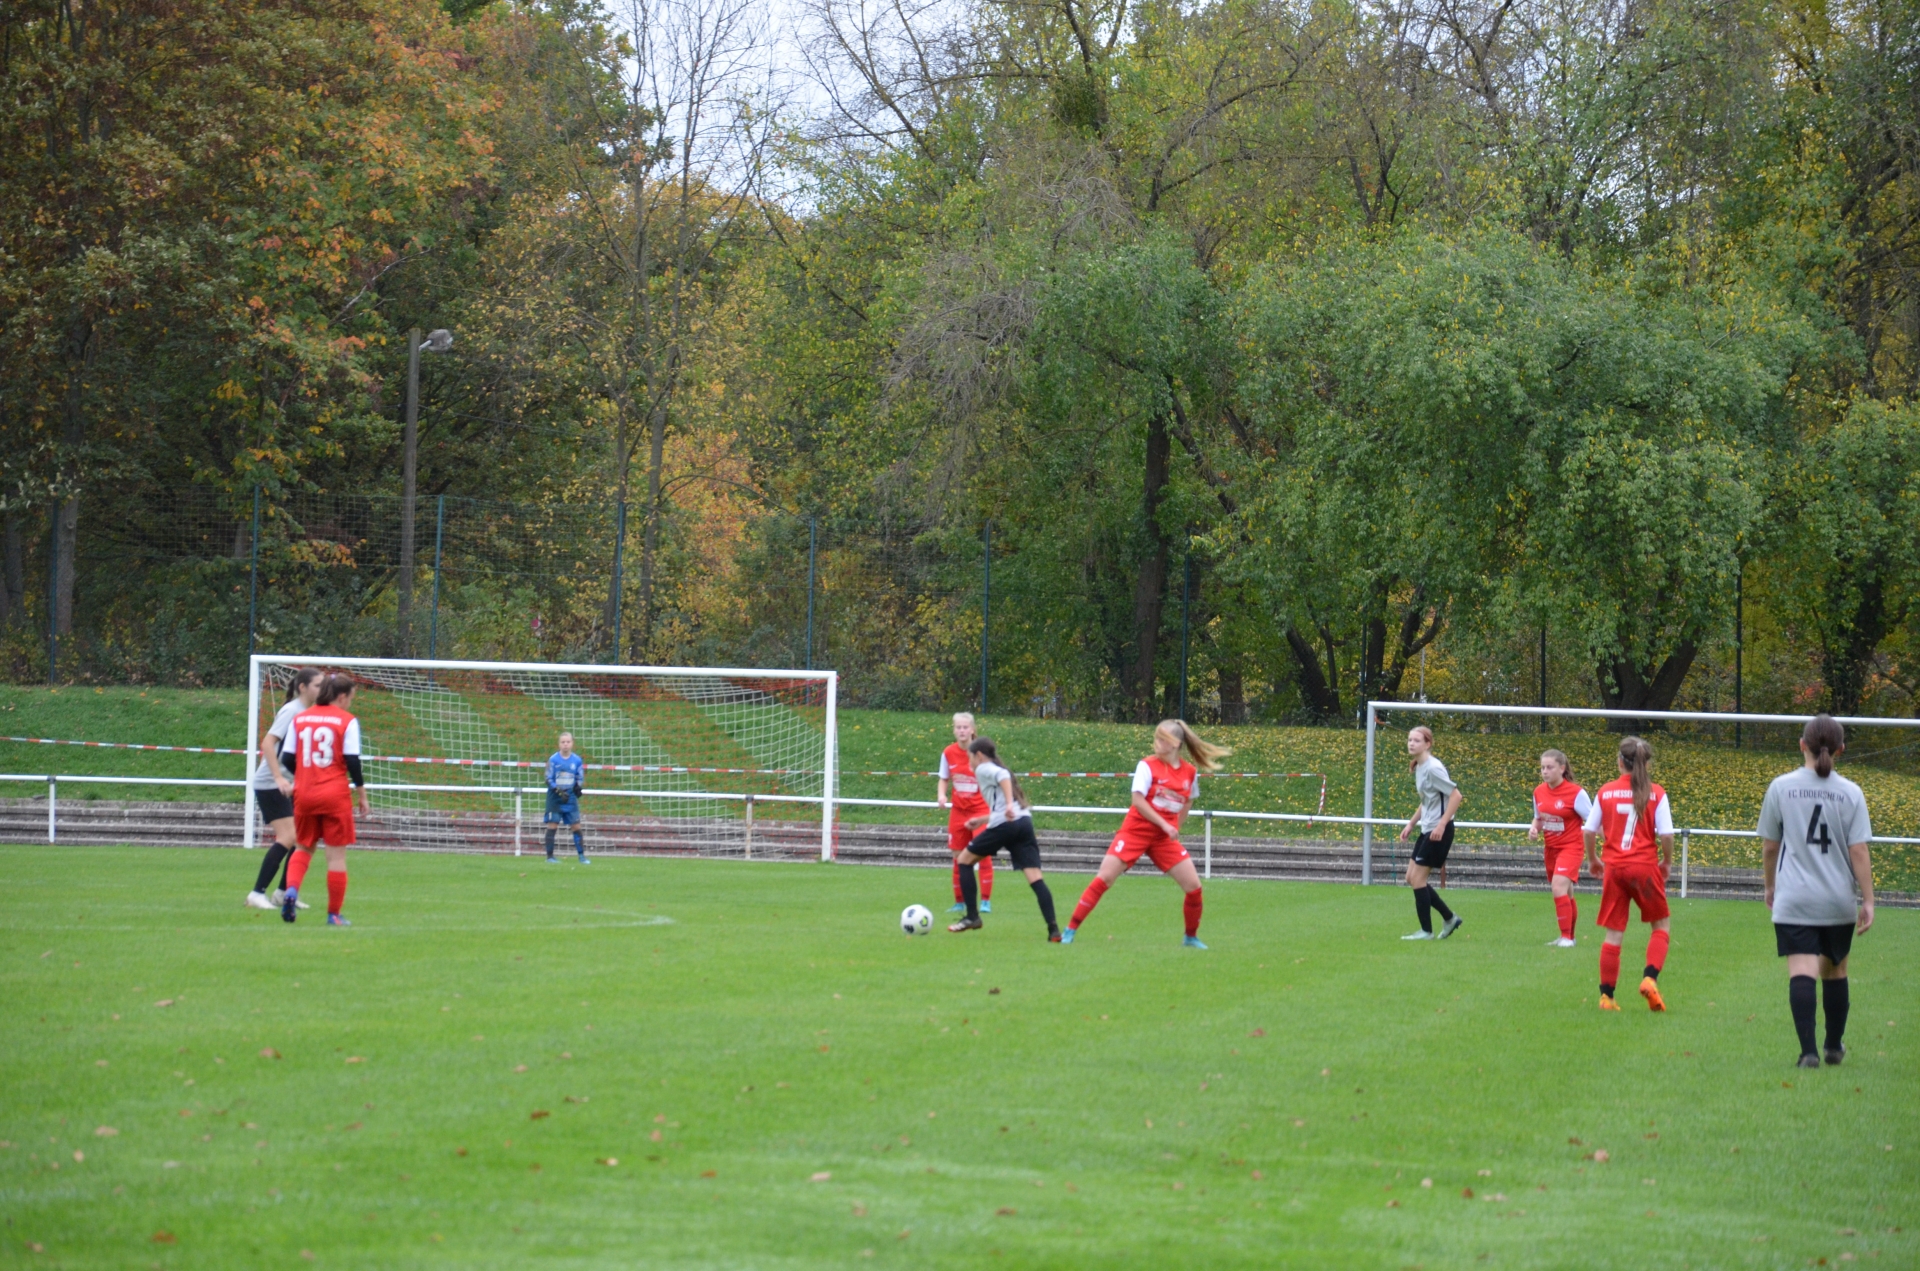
(566, 782)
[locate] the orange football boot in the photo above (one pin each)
(1650, 989)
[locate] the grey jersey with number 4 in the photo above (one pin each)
(1434, 784)
(1814, 819)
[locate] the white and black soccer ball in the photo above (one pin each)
(916, 920)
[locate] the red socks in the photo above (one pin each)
(1192, 910)
(1088, 899)
(1569, 914)
(1657, 953)
(1609, 966)
(336, 890)
(985, 874)
(297, 867)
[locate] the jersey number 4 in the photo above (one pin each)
(1817, 835)
(316, 749)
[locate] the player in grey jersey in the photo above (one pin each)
(1814, 832)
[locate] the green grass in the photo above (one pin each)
(732, 1033)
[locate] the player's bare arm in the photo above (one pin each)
(1770, 865)
(1148, 811)
(1861, 858)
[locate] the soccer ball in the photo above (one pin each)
(916, 920)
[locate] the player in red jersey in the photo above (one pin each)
(1163, 790)
(1560, 809)
(959, 793)
(323, 749)
(1630, 816)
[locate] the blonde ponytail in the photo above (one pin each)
(1206, 756)
(1635, 757)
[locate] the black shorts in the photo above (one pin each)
(1432, 852)
(273, 805)
(1832, 943)
(1023, 850)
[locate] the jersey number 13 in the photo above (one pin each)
(316, 749)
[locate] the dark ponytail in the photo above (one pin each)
(984, 746)
(1824, 738)
(336, 687)
(1635, 758)
(303, 677)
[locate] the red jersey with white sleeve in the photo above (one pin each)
(1563, 811)
(1629, 842)
(956, 769)
(320, 741)
(1170, 788)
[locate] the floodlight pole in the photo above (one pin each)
(1186, 608)
(986, 612)
(1739, 643)
(813, 544)
(253, 578)
(439, 536)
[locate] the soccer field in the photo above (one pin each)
(786, 1081)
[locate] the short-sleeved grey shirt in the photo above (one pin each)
(1433, 784)
(1815, 819)
(990, 775)
(270, 763)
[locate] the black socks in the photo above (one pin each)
(579, 844)
(970, 892)
(1800, 998)
(276, 857)
(550, 834)
(1044, 894)
(1835, 993)
(1425, 901)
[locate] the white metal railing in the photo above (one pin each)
(1207, 815)
(1375, 709)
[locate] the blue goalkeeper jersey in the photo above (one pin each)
(566, 774)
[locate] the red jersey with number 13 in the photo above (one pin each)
(320, 740)
(1170, 789)
(958, 761)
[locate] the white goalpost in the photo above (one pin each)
(1376, 709)
(678, 758)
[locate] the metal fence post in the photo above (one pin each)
(53, 821)
(1186, 608)
(749, 827)
(1686, 840)
(813, 543)
(53, 601)
(1366, 807)
(253, 579)
(619, 578)
(986, 613)
(439, 536)
(1208, 871)
(517, 815)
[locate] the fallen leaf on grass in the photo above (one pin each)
(707, 1173)
(105, 1132)
(78, 1155)
(1258, 1032)
(1601, 1156)
(822, 1177)
(993, 990)
(1466, 1193)
(459, 1151)
(1393, 1204)
(165, 1001)
(356, 1059)
(539, 1113)
(519, 1067)
(268, 1052)
(1426, 1182)
(1005, 1211)
(163, 1237)
(614, 1160)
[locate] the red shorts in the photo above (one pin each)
(1162, 851)
(1564, 862)
(958, 835)
(329, 823)
(1621, 889)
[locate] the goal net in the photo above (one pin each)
(714, 761)
(1715, 767)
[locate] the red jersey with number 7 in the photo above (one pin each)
(1169, 788)
(1627, 840)
(319, 742)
